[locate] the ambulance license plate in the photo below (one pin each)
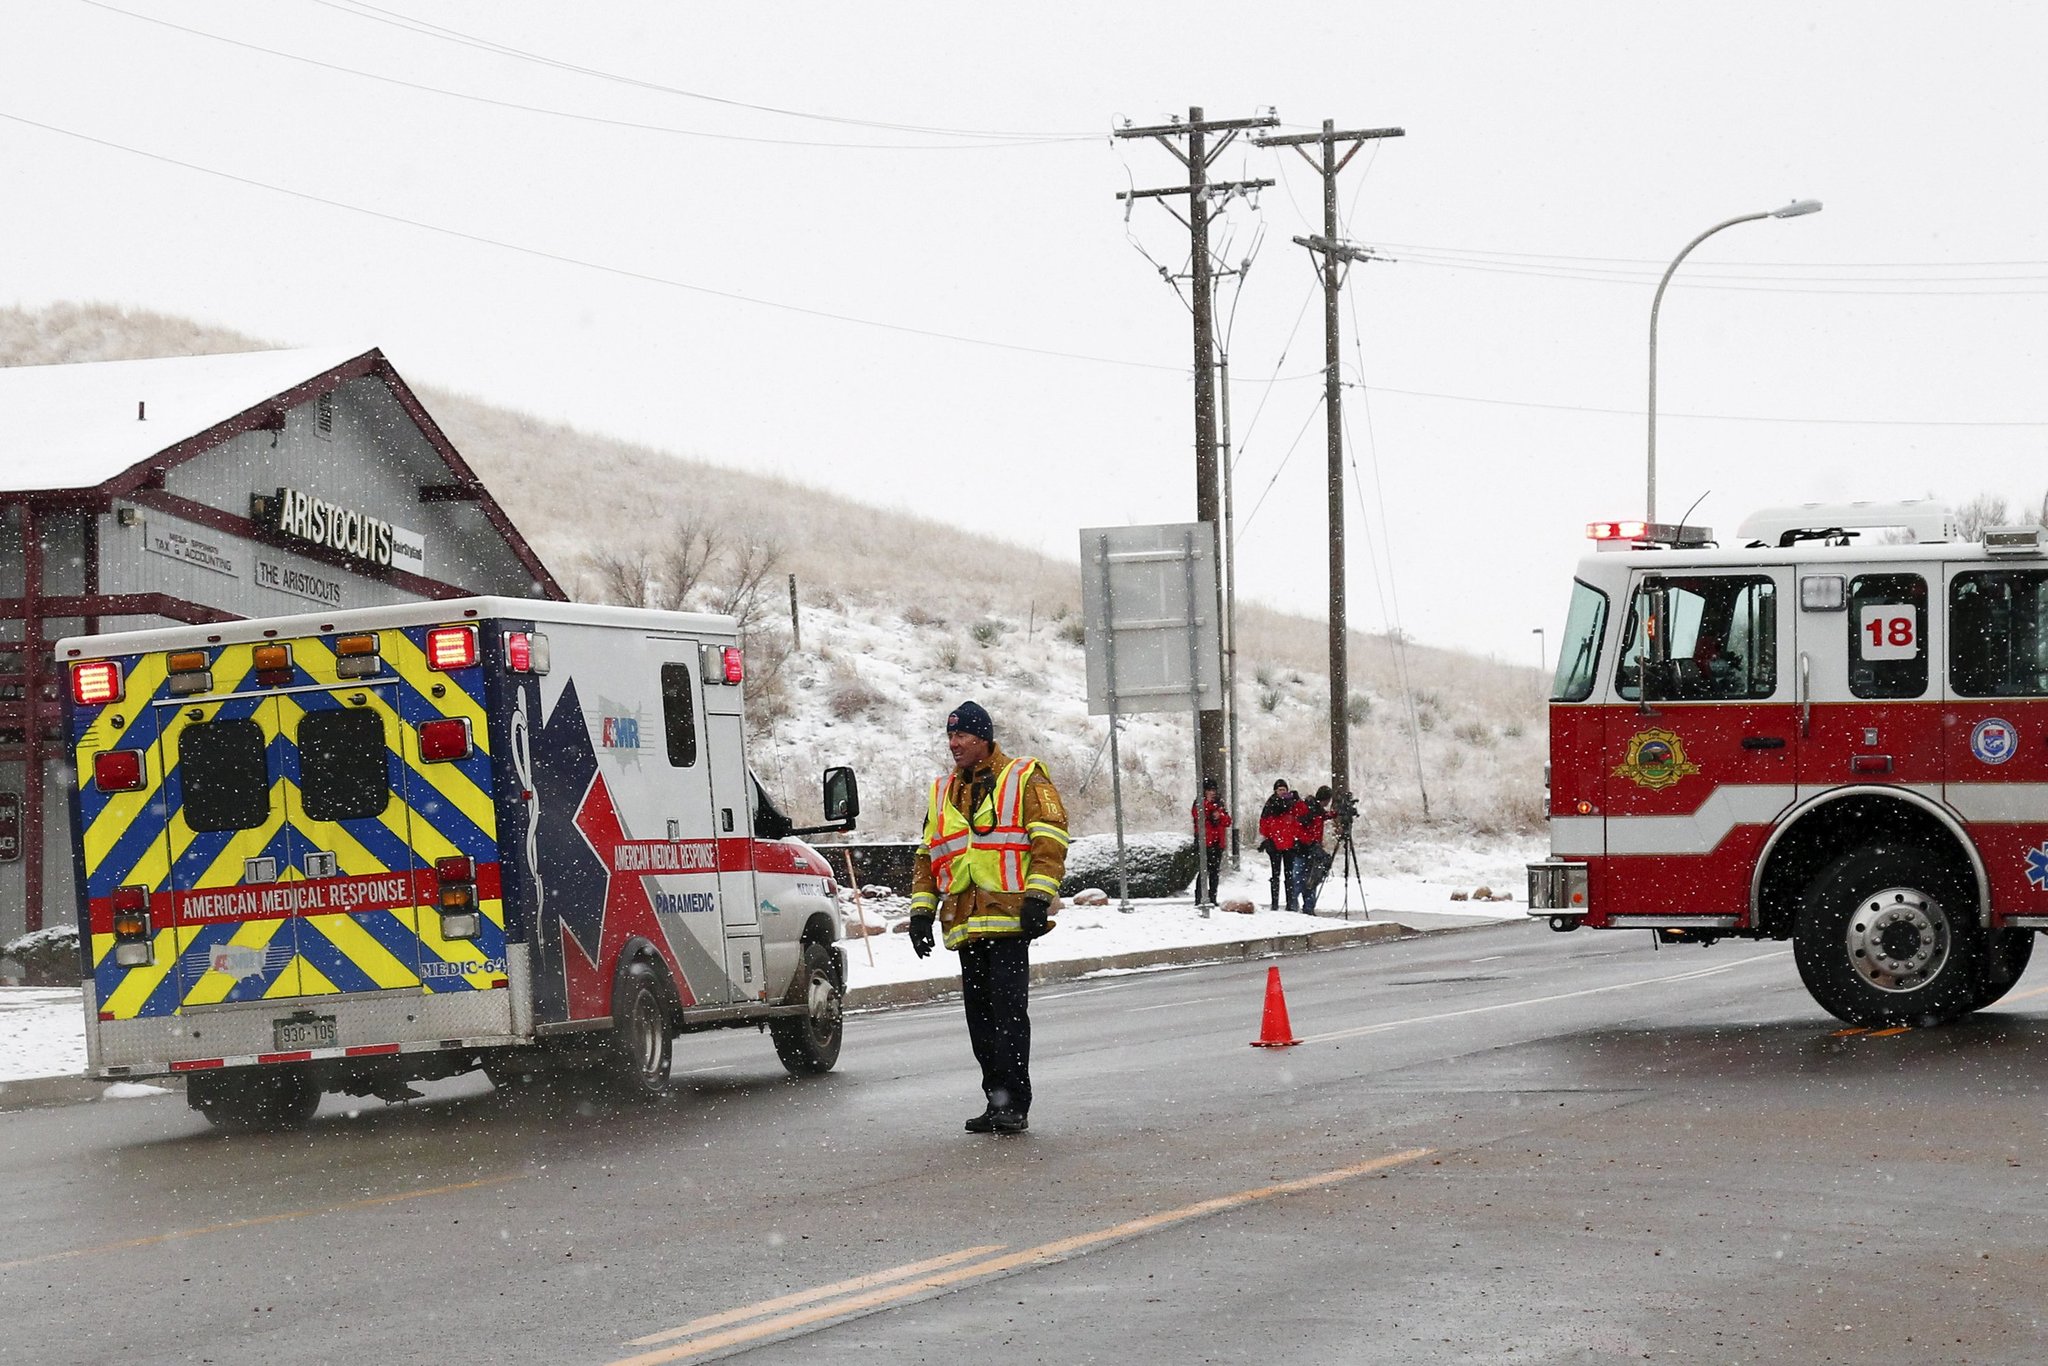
(305, 1031)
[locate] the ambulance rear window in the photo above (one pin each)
(679, 714)
(344, 771)
(226, 782)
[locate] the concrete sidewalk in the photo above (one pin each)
(39, 1092)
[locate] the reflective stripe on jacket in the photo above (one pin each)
(976, 873)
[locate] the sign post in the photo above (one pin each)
(1148, 594)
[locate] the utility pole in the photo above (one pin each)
(1200, 190)
(1334, 254)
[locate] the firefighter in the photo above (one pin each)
(1213, 820)
(1279, 829)
(989, 864)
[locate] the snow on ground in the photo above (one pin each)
(42, 1030)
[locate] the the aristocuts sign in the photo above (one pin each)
(300, 516)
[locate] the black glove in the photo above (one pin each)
(1034, 920)
(921, 941)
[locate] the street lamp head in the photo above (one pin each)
(1796, 208)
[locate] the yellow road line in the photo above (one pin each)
(177, 1234)
(1044, 1254)
(847, 1287)
(1888, 1033)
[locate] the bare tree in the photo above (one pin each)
(624, 575)
(1985, 510)
(743, 591)
(685, 558)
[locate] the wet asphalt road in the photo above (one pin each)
(1496, 1145)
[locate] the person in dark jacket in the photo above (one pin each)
(1311, 860)
(1213, 819)
(1279, 830)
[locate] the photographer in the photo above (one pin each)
(1311, 860)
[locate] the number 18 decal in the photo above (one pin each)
(1890, 631)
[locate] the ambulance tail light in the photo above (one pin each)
(273, 664)
(356, 657)
(456, 896)
(117, 770)
(444, 740)
(133, 943)
(96, 682)
(451, 647)
(190, 672)
(526, 652)
(735, 665)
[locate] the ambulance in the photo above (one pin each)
(1833, 732)
(349, 851)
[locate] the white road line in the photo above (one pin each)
(1199, 1000)
(1693, 975)
(1490, 958)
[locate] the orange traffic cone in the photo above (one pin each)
(1274, 1031)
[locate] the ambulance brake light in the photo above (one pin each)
(444, 740)
(735, 667)
(189, 672)
(526, 652)
(96, 682)
(132, 947)
(457, 868)
(356, 657)
(273, 664)
(117, 770)
(451, 647)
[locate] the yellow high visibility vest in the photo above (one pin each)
(991, 851)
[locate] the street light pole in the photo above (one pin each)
(1792, 210)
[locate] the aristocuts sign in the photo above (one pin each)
(303, 517)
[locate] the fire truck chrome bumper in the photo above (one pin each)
(2026, 922)
(1557, 886)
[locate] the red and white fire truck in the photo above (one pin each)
(349, 851)
(1834, 732)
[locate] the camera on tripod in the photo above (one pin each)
(1344, 807)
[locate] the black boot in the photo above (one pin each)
(1007, 1122)
(983, 1123)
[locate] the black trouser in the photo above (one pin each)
(1214, 854)
(995, 986)
(1283, 877)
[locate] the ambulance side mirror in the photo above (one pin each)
(842, 797)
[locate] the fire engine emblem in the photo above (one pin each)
(2037, 867)
(1656, 758)
(1994, 741)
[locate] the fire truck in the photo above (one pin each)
(350, 851)
(1834, 732)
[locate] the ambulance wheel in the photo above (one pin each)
(2002, 964)
(640, 1044)
(809, 1044)
(1885, 937)
(263, 1101)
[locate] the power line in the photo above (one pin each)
(576, 116)
(559, 259)
(377, 14)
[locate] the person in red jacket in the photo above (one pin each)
(1311, 860)
(1213, 819)
(1279, 829)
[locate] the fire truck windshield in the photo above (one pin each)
(1578, 655)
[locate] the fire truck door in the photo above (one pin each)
(230, 846)
(1865, 638)
(738, 891)
(1699, 749)
(350, 802)
(1994, 724)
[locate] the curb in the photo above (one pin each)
(35, 1093)
(885, 995)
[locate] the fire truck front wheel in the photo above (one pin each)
(1887, 936)
(253, 1101)
(809, 1044)
(640, 1044)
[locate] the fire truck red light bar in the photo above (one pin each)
(451, 647)
(117, 770)
(735, 667)
(96, 683)
(1617, 531)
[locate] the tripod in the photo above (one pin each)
(1350, 872)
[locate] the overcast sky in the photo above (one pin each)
(876, 246)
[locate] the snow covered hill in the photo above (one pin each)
(900, 619)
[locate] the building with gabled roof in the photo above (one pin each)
(208, 488)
